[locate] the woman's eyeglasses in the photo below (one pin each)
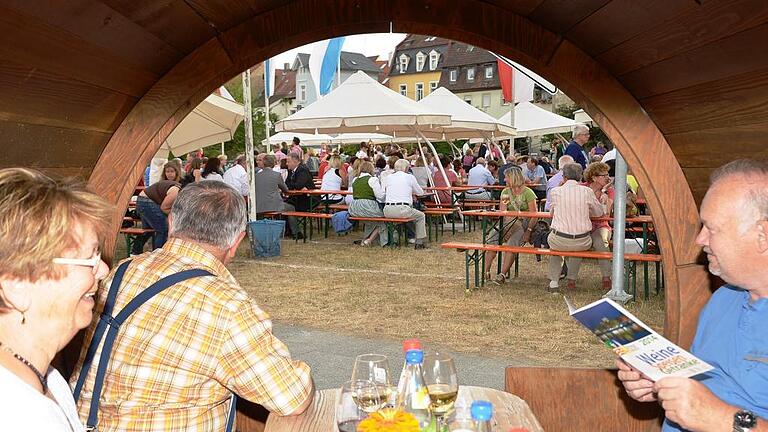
(92, 262)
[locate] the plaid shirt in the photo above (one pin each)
(177, 357)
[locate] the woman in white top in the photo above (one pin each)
(212, 170)
(334, 179)
(421, 172)
(49, 274)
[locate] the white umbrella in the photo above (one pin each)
(307, 140)
(531, 120)
(361, 104)
(466, 120)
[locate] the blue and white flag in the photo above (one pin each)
(324, 62)
(269, 76)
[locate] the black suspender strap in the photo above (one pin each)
(111, 324)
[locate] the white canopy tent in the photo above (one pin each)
(531, 120)
(361, 104)
(214, 121)
(307, 140)
(315, 140)
(581, 116)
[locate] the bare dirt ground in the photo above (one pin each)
(395, 294)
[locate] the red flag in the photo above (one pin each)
(506, 78)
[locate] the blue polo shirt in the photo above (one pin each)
(732, 336)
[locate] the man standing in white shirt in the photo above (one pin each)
(572, 205)
(479, 176)
(399, 190)
(237, 177)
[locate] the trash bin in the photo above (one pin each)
(265, 236)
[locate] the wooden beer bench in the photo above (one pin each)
(303, 218)
(393, 224)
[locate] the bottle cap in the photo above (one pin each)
(414, 356)
(481, 410)
(411, 344)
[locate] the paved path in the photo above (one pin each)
(332, 355)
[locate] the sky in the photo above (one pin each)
(380, 44)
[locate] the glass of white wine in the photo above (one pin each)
(348, 413)
(375, 368)
(443, 385)
(366, 395)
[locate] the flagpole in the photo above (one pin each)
(249, 144)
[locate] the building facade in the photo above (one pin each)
(349, 64)
(283, 100)
(416, 65)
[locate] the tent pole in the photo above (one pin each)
(249, 143)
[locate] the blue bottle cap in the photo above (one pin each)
(481, 410)
(414, 356)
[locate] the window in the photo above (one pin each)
(468, 99)
(486, 100)
(419, 91)
(404, 89)
(454, 75)
(403, 63)
(488, 72)
(302, 92)
(434, 56)
(471, 74)
(420, 59)
(432, 86)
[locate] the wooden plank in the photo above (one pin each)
(587, 400)
(700, 25)
(737, 54)
(51, 146)
(39, 45)
(171, 21)
(560, 16)
(620, 20)
(733, 101)
(520, 7)
(695, 288)
(225, 14)
(92, 20)
(698, 181)
(79, 173)
(694, 149)
(67, 103)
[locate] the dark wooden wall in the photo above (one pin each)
(92, 87)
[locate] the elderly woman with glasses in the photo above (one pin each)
(596, 178)
(50, 267)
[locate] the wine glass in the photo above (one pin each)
(375, 368)
(348, 414)
(442, 384)
(366, 395)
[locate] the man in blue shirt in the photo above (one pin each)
(479, 176)
(575, 148)
(732, 334)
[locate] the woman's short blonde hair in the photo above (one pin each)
(365, 167)
(37, 221)
(594, 169)
(514, 177)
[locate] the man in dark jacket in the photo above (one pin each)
(299, 178)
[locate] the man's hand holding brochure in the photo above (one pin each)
(637, 344)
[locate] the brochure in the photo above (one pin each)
(636, 343)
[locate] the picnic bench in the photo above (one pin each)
(472, 256)
(435, 217)
(302, 218)
(393, 225)
(133, 233)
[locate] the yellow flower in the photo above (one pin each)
(389, 420)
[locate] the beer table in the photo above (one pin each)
(509, 411)
(323, 195)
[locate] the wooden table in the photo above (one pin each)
(509, 411)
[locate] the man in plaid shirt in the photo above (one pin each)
(179, 357)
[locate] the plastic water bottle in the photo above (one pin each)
(408, 344)
(412, 392)
(482, 412)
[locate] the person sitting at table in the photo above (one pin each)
(444, 196)
(535, 177)
(380, 165)
(510, 162)
(557, 179)
(367, 193)
(479, 176)
(49, 274)
(389, 170)
(212, 170)
(421, 172)
(334, 179)
(299, 178)
(194, 174)
(458, 168)
(596, 178)
(493, 168)
(572, 206)
(515, 197)
(269, 185)
(153, 205)
(399, 191)
(171, 172)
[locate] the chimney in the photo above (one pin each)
(286, 66)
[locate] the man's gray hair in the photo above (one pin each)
(402, 165)
(565, 160)
(268, 161)
(747, 169)
(480, 161)
(209, 212)
(294, 156)
(580, 129)
(572, 171)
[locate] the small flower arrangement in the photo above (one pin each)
(389, 420)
